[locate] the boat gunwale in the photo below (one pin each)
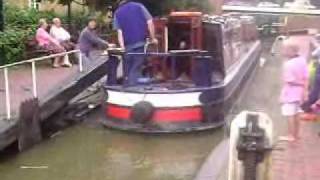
(233, 70)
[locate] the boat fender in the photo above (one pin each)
(142, 112)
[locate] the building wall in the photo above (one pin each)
(20, 3)
(46, 5)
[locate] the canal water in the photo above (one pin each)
(90, 152)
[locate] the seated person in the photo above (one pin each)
(50, 44)
(60, 34)
(88, 41)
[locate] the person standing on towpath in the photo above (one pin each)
(295, 87)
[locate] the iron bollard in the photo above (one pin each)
(251, 146)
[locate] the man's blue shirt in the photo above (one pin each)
(132, 18)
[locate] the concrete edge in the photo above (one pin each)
(216, 163)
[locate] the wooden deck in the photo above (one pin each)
(56, 87)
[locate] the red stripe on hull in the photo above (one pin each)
(174, 115)
(178, 115)
(118, 112)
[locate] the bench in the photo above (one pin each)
(33, 50)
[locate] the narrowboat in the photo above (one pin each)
(192, 78)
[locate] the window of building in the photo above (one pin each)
(35, 4)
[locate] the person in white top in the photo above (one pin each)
(63, 36)
(60, 34)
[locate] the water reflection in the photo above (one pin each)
(85, 153)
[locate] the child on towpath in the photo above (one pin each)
(294, 89)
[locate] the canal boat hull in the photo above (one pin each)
(174, 111)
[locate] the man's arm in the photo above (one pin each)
(121, 39)
(68, 35)
(96, 40)
(150, 23)
(117, 27)
(152, 31)
(52, 32)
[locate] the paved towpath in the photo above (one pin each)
(48, 80)
(299, 160)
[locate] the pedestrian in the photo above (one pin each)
(134, 25)
(88, 42)
(294, 89)
(315, 88)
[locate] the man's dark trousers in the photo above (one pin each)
(112, 66)
(133, 66)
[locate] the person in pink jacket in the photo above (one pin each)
(294, 88)
(47, 42)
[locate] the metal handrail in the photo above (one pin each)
(34, 77)
(39, 59)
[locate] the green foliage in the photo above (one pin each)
(20, 25)
(158, 8)
(10, 44)
(94, 5)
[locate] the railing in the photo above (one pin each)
(34, 75)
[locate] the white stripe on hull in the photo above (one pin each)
(157, 100)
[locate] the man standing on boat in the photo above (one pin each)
(134, 24)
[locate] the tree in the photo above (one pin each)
(1, 16)
(156, 7)
(165, 6)
(93, 5)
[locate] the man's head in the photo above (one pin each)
(56, 22)
(92, 23)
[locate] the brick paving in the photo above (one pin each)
(49, 81)
(299, 160)
(20, 78)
